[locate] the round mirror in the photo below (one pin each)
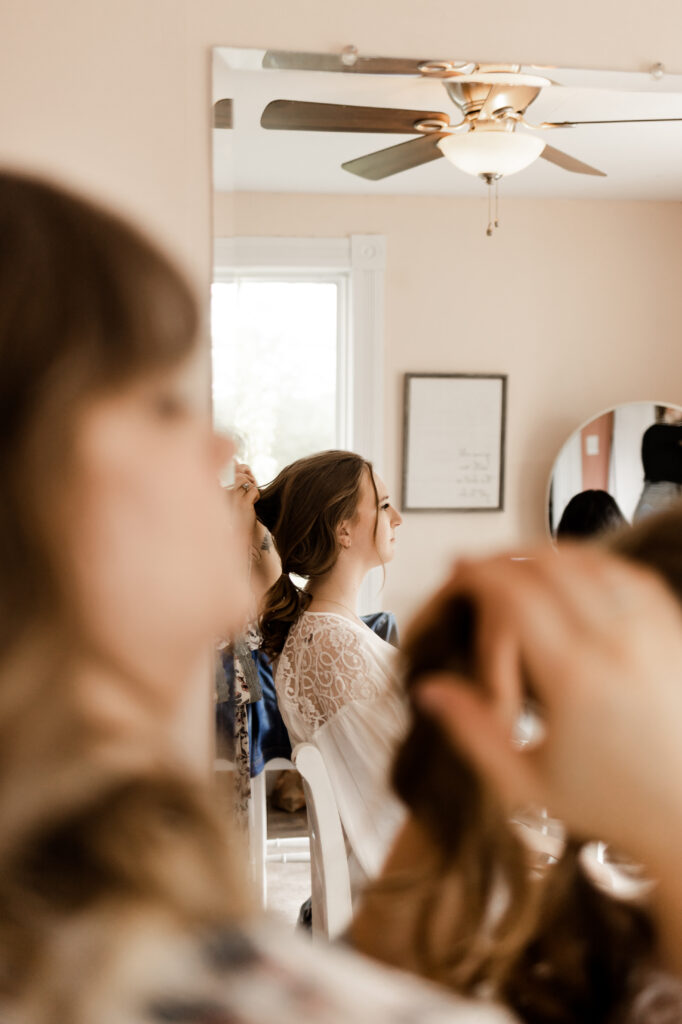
(623, 464)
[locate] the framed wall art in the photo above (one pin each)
(453, 447)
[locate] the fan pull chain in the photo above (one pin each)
(492, 222)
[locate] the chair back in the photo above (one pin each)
(331, 898)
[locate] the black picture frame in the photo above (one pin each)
(454, 432)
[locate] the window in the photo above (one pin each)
(297, 329)
(297, 346)
(276, 382)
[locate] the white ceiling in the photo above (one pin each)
(642, 161)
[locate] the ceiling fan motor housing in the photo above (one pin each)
(508, 100)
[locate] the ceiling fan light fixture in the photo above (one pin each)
(491, 153)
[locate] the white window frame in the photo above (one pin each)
(357, 265)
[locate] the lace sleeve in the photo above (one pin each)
(337, 687)
(326, 665)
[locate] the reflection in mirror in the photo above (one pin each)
(632, 453)
(290, 193)
(274, 371)
(351, 124)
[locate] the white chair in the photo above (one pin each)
(262, 849)
(331, 898)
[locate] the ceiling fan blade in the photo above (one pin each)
(222, 114)
(286, 60)
(297, 116)
(569, 163)
(626, 120)
(402, 157)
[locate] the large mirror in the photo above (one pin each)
(631, 454)
(335, 275)
(338, 271)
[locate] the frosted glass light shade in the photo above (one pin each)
(491, 152)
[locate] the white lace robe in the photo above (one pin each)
(337, 687)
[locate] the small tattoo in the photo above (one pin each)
(266, 543)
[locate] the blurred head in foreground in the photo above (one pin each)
(466, 911)
(118, 566)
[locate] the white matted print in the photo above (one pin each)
(453, 455)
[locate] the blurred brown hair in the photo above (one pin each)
(302, 508)
(655, 541)
(87, 304)
(91, 877)
(557, 949)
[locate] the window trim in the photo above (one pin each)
(358, 264)
(358, 261)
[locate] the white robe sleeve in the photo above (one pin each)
(337, 687)
(358, 745)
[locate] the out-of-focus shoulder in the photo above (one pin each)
(334, 986)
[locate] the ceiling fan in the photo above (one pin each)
(491, 138)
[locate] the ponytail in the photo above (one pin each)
(284, 602)
(560, 950)
(302, 508)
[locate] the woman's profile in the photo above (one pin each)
(123, 892)
(332, 522)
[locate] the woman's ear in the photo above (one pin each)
(343, 533)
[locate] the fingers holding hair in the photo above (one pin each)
(598, 643)
(472, 725)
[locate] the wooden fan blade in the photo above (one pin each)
(222, 114)
(627, 120)
(297, 116)
(284, 59)
(569, 163)
(402, 157)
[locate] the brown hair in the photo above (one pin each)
(655, 541)
(138, 853)
(560, 950)
(302, 508)
(88, 305)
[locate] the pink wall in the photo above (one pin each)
(114, 94)
(595, 441)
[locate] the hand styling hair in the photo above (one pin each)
(554, 948)
(302, 509)
(557, 948)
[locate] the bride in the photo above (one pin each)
(332, 521)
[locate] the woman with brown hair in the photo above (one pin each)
(116, 557)
(332, 522)
(461, 900)
(122, 897)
